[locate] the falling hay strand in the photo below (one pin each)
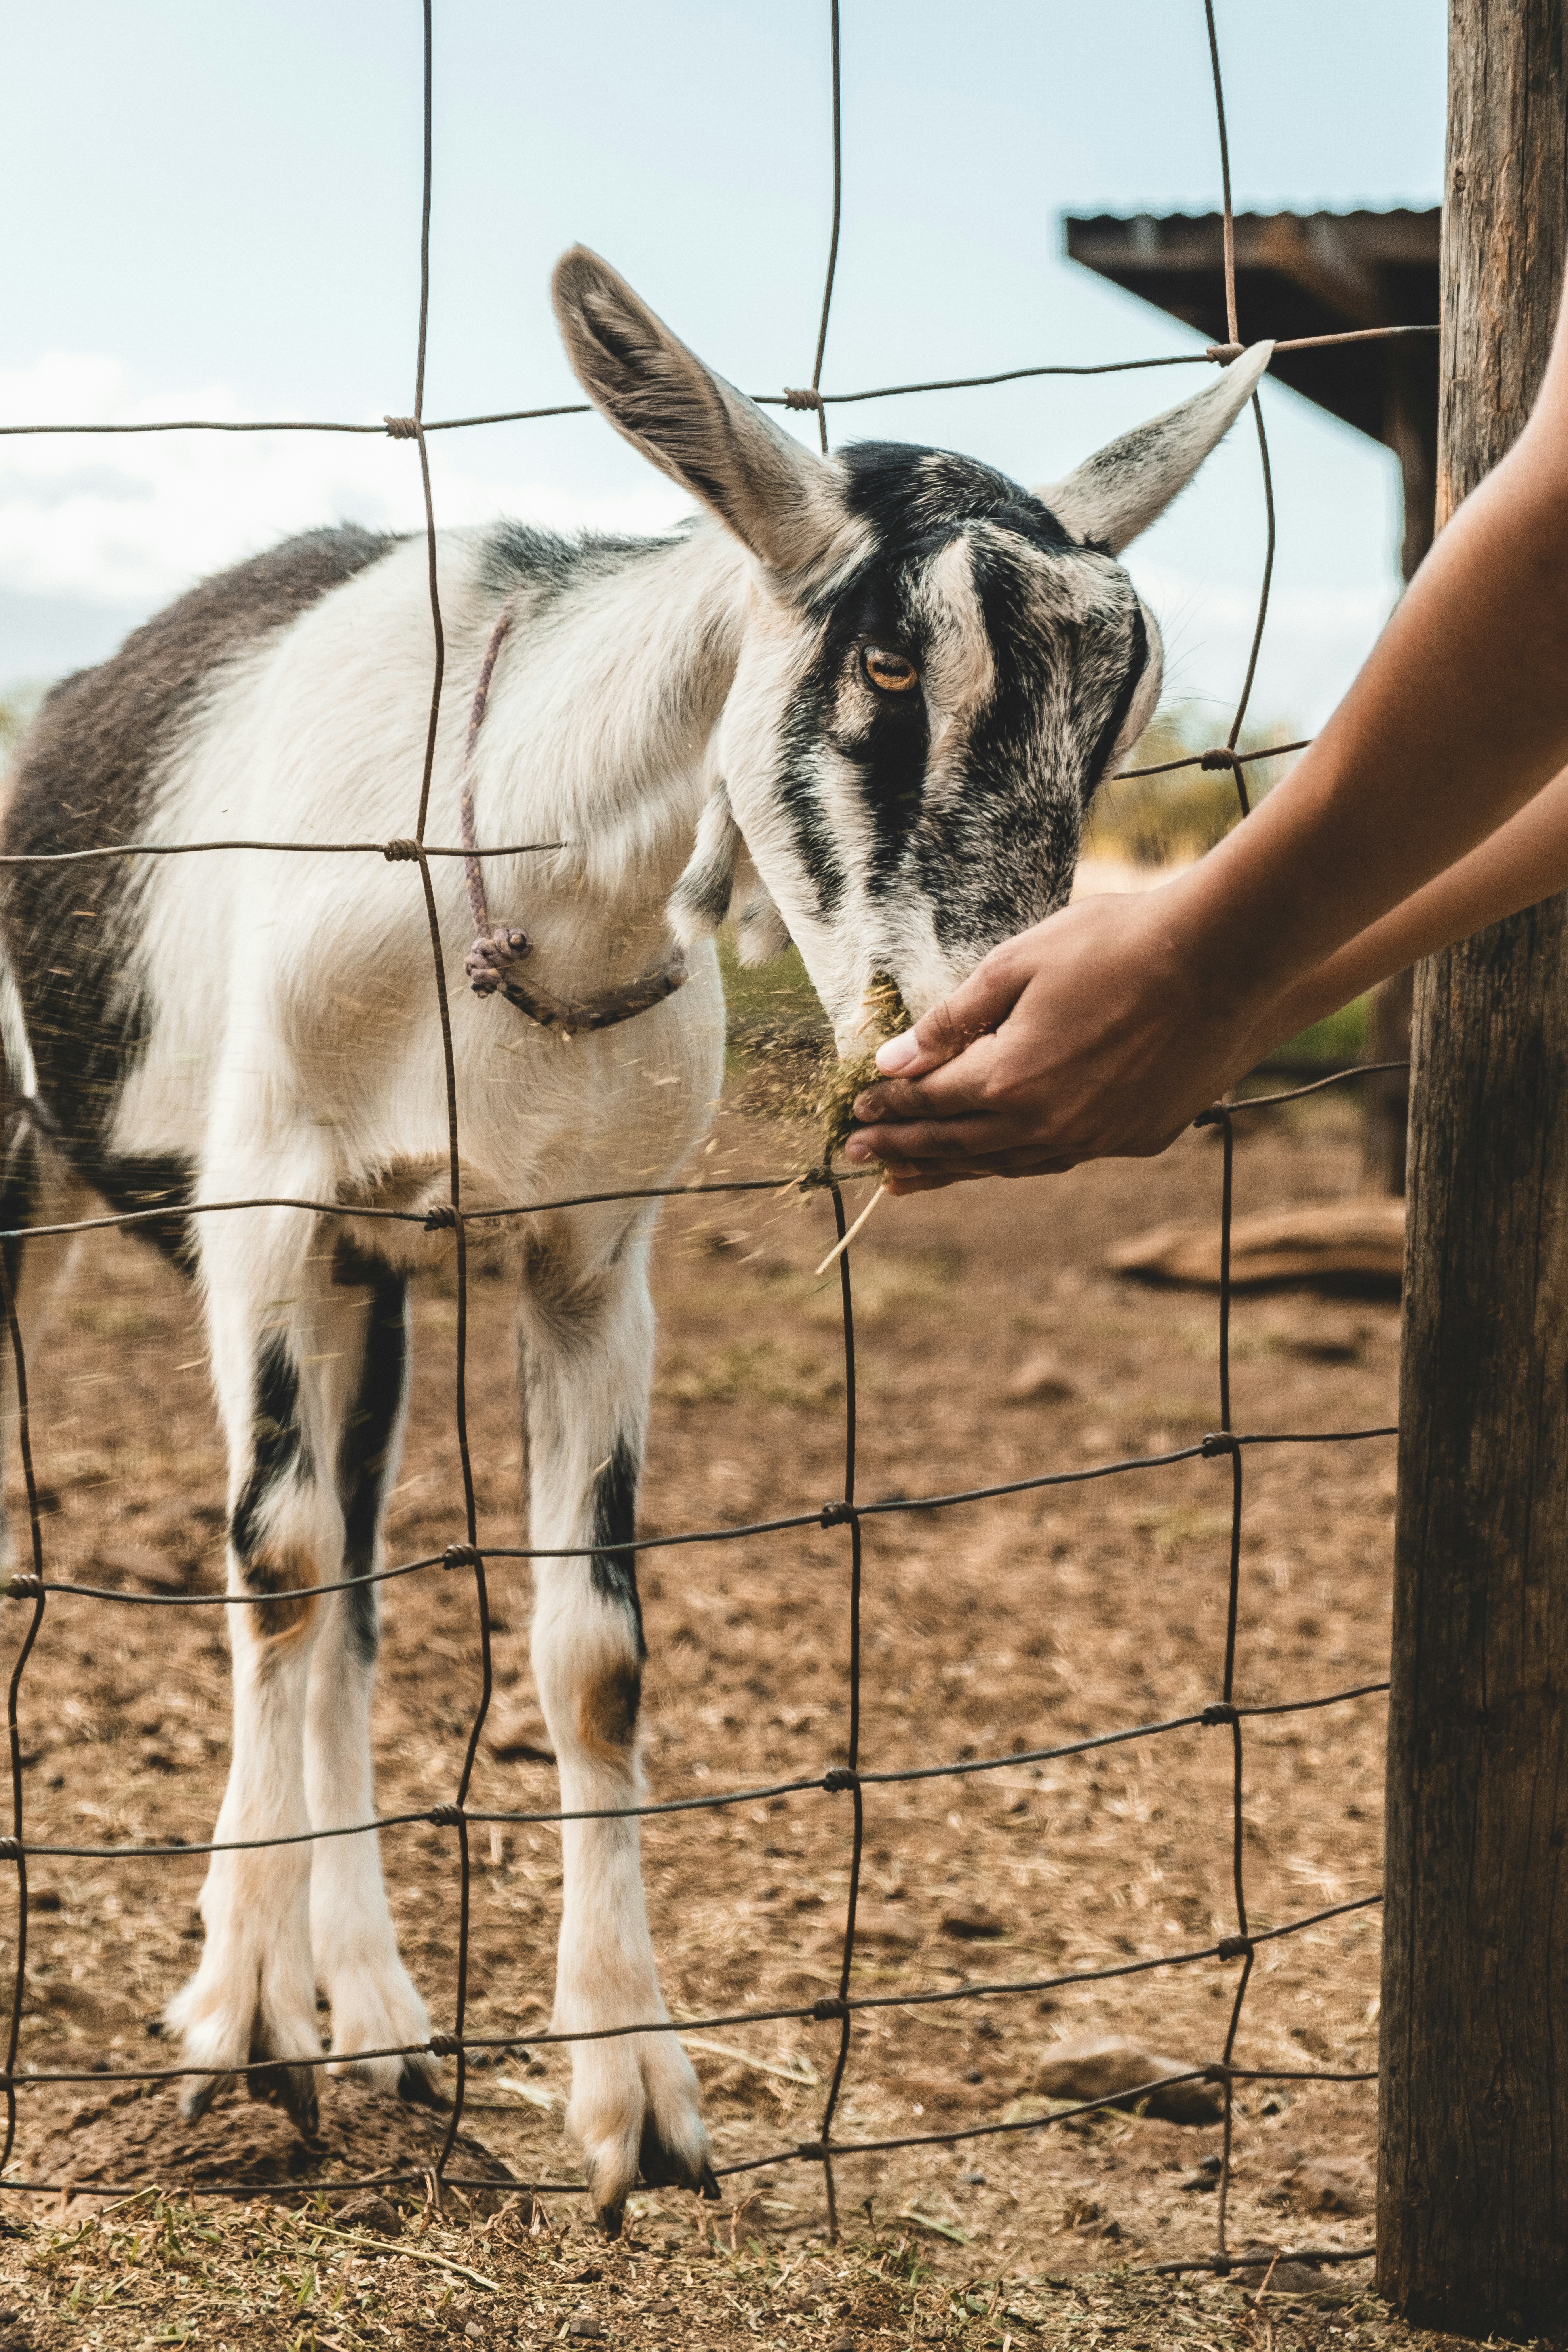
(839, 1247)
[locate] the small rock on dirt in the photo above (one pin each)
(970, 1921)
(473, 2331)
(1335, 2184)
(520, 1736)
(1039, 1380)
(371, 2213)
(1105, 2070)
(1260, 2267)
(587, 2331)
(887, 1923)
(120, 1561)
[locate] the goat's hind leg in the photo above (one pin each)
(254, 1996)
(588, 1357)
(374, 2002)
(36, 1187)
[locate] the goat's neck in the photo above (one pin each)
(602, 723)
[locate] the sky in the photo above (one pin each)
(211, 208)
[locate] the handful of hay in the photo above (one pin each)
(887, 1015)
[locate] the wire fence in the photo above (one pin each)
(853, 1777)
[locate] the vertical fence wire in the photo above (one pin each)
(832, 240)
(851, 1776)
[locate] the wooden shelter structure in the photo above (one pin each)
(1300, 275)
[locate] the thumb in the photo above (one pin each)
(981, 1004)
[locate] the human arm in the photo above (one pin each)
(1103, 1030)
(1524, 861)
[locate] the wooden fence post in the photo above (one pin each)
(1473, 2170)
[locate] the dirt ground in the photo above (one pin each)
(989, 1628)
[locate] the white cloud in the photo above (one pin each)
(127, 522)
(131, 520)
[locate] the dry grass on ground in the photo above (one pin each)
(991, 1345)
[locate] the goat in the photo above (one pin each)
(861, 703)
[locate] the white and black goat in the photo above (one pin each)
(861, 704)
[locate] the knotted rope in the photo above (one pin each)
(495, 960)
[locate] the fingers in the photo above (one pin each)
(985, 998)
(916, 1181)
(949, 1090)
(941, 1140)
(921, 1176)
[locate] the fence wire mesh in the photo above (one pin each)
(845, 1512)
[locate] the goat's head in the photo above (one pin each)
(936, 668)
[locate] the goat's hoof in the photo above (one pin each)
(419, 2086)
(611, 2218)
(662, 2165)
(708, 2185)
(196, 2098)
(292, 2088)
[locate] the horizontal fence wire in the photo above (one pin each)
(452, 1217)
(393, 427)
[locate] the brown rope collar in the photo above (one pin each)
(495, 959)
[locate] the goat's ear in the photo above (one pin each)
(760, 931)
(721, 870)
(779, 498)
(1125, 486)
(700, 899)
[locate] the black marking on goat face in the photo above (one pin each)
(1001, 854)
(614, 1517)
(370, 1432)
(1065, 645)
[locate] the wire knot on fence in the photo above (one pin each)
(805, 396)
(403, 428)
(462, 1555)
(402, 852)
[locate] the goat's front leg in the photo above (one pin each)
(254, 1995)
(588, 1362)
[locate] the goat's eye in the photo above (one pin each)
(892, 673)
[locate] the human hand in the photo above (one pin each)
(1090, 1036)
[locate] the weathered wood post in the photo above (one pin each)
(1473, 2188)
